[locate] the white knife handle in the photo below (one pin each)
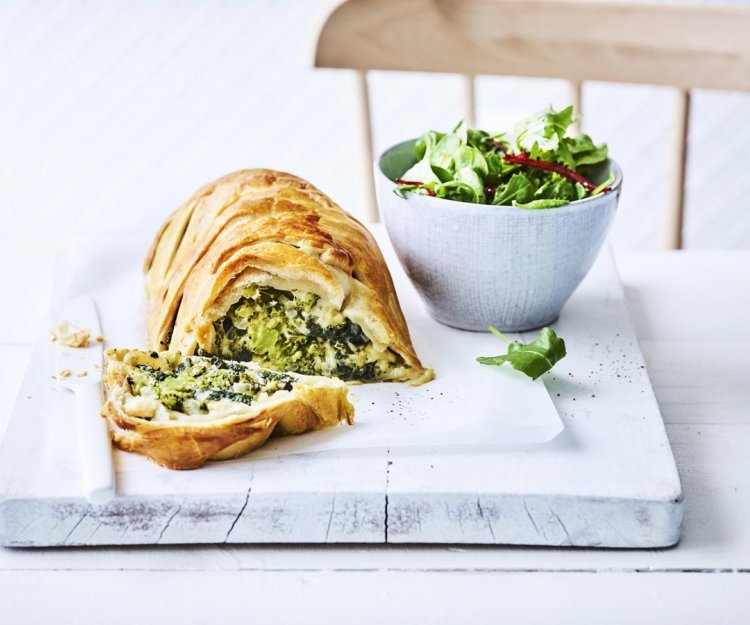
(94, 446)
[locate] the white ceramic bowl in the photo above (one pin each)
(477, 265)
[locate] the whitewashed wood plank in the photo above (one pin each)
(608, 480)
(127, 521)
(713, 145)
(286, 492)
(713, 464)
(19, 324)
(700, 381)
(325, 499)
(668, 356)
(13, 362)
(331, 597)
(686, 349)
(601, 482)
(691, 296)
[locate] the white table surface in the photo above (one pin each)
(691, 311)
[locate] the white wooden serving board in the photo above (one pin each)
(608, 480)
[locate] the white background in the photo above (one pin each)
(113, 112)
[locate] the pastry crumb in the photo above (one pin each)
(83, 374)
(54, 377)
(65, 373)
(70, 335)
(99, 339)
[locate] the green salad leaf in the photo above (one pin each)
(533, 359)
(548, 168)
(422, 171)
(543, 131)
(519, 188)
(582, 151)
(537, 204)
(604, 185)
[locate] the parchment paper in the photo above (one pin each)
(466, 405)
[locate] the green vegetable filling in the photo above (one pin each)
(295, 331)
(197, 380)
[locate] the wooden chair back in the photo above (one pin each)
(682, 46)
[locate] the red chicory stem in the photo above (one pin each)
(522, 159)
(414, 184)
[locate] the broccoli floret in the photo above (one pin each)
(279, 329)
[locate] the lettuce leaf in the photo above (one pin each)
(535, 358)
(518, 189)
(537, 204)
(470, 165)
(458, 191)
(544, 129)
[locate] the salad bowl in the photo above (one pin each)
(477, 265)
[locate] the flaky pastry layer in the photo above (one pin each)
(263, 227)
(227, 430)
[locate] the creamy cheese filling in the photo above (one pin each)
(198, 388)
(296, 331)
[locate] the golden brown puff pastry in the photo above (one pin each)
(260, 265)
(183, 410)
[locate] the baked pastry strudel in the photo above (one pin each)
(261, 266)
(181, 411)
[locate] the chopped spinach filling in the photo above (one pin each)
(295, 331)
(197, 380)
